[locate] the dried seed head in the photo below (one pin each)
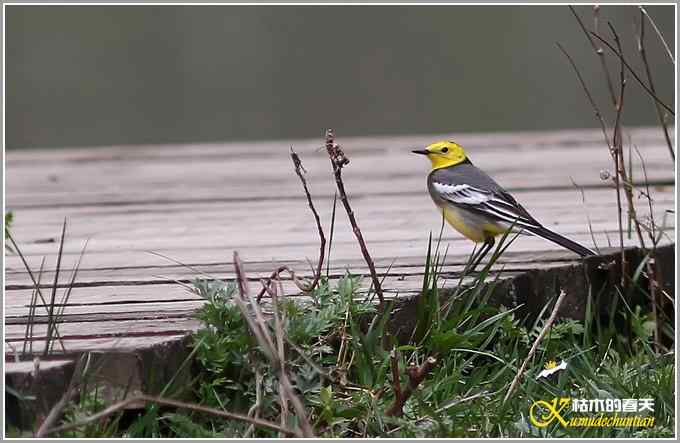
(605, 174)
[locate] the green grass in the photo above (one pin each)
(41, 299)
(338, 358)
(9, 219)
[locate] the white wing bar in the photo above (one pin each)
(490, 203)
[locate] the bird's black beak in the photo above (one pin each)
(420, 151)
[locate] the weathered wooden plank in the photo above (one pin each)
(292, 238)
(101, 321)
(149, 310)
(158, 310)
(108, 295)
(205, 179)
(264, 259)
(104, 344)
(288, 215)
(105, 328)
(94, 278)
(17, 283)
(127, 289)
(398, 282)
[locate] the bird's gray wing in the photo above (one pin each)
(475, 191)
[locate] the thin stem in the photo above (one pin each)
(276, 274)
(176, 404)
(658, 33)
(618, 160)
(652, 276)
(548, 324)
(322, 238)
(598, 51)
(627, 185)
(635, 76)
(338, 161)
(330, 240)
(598, 114)
(648, 71)
(416, 375)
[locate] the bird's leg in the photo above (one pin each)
(491, 241)
(488, 244)
(473, 259)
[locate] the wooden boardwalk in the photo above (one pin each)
(196, 204)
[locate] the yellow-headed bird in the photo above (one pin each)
(475, 205)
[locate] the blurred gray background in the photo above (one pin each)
(102, 75)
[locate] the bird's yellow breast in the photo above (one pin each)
(477, 232)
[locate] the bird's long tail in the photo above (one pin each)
(560, 240)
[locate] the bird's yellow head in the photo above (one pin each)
(444, 154)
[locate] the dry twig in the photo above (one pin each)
(658, 33)
(648, 71)
(299, 169)
(598, 114)
(534, 347)
(271, 350)
(280, 349)
(396, 383)
(619, 169)
(338, 161)
(619, 54)
(322, 238)
(254, 410)
(416, 375)
(620, 165)
(596, 48)
(175, 404)
(58, 409)
(276, 275)
(621, 178)
(652, 275)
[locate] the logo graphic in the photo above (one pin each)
(553, 408)
(609, 412)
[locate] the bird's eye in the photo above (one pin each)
(445, 150)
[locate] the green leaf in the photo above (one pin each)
(326, 395)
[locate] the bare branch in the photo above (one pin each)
(598, 114)
(338, 161)
(617, 153)
(597, 49)
(176, 404)
(284, 381)
(621, 176)
(300, 283)
(396, 384)
(267, 344)
(322, 238)
(658, 33)
(652, 274)
(416, 375)
(635, 76)
(254, 410)
(648, 71)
